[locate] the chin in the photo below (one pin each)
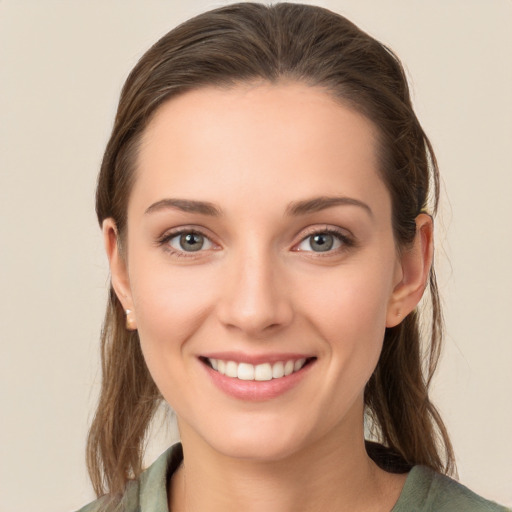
(263, 439)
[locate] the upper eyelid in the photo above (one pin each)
(171, 233)
(345, 239)
(163, 242)
(325, 228)
(304, 233)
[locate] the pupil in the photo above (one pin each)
(323, 242)
(191, 241)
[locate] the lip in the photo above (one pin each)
(251, 390)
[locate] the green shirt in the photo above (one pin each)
(424, 491)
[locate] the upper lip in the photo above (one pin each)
(254, 359)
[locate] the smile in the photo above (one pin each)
(259, 372)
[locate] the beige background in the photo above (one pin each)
(62, 64)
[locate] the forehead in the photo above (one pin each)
(286, 139)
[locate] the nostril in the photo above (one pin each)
(254, 302)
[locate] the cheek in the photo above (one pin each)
(350, 297)
(170, 304)
(348, 309)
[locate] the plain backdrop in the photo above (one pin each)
(62, 64)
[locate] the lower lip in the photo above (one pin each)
(256, 390)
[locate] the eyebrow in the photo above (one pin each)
(185, 205)
(317, 204)
(296, 208)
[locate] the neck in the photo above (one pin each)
(328, 476)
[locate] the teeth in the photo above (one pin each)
(263, 372)
(298, 364)
(245, 371)
(259, 372)
(288, 368)
(278, 370)
(231, 369)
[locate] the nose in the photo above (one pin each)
(255, 299)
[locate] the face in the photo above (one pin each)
(261, 267)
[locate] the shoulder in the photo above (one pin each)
(426, 490)
(127, 502)
(148, 492)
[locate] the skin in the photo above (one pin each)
(259, 287)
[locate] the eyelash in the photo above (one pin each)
(165, 239)
(346, 241)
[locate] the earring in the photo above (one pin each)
(131, 325)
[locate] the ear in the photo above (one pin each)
(415, 263)
(119, 270)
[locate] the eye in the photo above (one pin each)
(189, 241)
(323, 241)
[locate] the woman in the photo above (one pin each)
(266, 200)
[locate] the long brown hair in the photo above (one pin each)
(246, 42)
